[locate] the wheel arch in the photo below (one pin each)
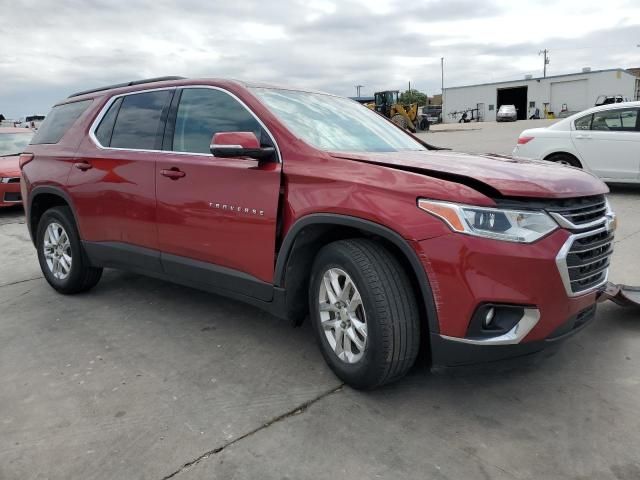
(563, 152)
(42, 199)
(310, 233)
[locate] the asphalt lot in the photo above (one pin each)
(141, 379)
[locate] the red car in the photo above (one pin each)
(12, 142)
(309, 204)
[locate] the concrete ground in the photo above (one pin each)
(487, 137)
(141, 379)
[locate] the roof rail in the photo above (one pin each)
(126, 84)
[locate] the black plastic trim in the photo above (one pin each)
(217, 276)
(369, 227)
(123, 256)
(174, 268)
(170, 124)
(50, 190)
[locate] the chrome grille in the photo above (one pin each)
(588, 260)
(584, 214)
(584, 260)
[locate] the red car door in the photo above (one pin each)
(113, 183)
(216, 216)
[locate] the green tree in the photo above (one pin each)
(413, 96)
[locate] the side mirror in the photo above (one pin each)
(240, 144)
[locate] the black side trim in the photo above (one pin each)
(369, 227)
(216, 276)
(186, 271)
(123, 256)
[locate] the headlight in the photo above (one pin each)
(522, 226)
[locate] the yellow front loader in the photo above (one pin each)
(387, 104)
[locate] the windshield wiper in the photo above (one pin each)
(11, 155)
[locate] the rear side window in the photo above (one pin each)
(615, 120)
(59, 121)
(205, 111)
(105, 129)
(138, 123)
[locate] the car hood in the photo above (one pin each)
(10, 166)
(493, 175)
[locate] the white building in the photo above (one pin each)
(572, 92)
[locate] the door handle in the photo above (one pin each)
(172, 173)
(583, 136)
(84, 166)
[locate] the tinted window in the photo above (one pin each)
(583, 123)
(139, 120)
(59, 120)
(105, 129)
(623, 120)
(203, 112)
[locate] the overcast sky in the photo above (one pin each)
(50, 48)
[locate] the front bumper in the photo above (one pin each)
(10, 191)
(467, 272)
(447, 352)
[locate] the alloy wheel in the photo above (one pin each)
(57, 251)
(342, 315)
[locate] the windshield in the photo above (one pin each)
(507, 108)
(335, 123)
(14, 143)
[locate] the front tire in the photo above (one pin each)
(60, 253)
(364, 313)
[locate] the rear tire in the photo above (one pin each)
(60, 253)
(376, 341)
(564, 159)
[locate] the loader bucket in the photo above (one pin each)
(623, 295)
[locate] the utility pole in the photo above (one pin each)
(442, 75)
(358, 87)
(546, 61)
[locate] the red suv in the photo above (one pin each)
(305, 203)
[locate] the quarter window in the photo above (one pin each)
(139, 122)
(203, 112)
(583, 123)
(59, 121)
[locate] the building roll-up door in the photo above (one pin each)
(573, 93)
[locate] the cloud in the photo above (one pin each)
(49, 48)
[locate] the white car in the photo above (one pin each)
(604, 140)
